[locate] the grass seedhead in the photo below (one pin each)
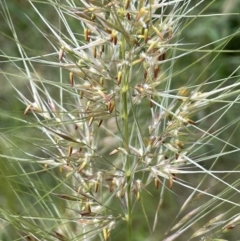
(126, 126)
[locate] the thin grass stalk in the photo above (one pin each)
(121, 123)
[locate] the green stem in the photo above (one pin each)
(129, 208)
(126, 135)
(128, 166)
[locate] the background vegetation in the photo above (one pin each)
(28, 188)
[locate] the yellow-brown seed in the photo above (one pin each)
(128, 16)
(102, 48)
(156, 182)
(136, 42)
(156, 71)
(96, 186)
(152, 45)
(113, 37)
(101, 81)
(88, 206)
(138, 61)
(105, 234)
(122, 193)
(27, 109)
(70, 149)
(90, 121)
(81, 94)
(139, 88)
(89, 10)
(126, 5)
(191, 122)
(68, 161)
(119, 77)
(160, 35)
(145, 35)
(95, 52)
(151, 102)
(87, 106)
(105, 97)
(93, 16)
(58, 236)
(145, 74)
(111, 187)
(229, 227)
(183, 91)
(162, 56)
(71, 78)
(61, 53)
(110, 106)
(82, 166)
(179, 144)
(170, 180)
(138, 196)
(151, 141)
(84, 213)
(113, 152)
(87, 33)
(140, 14)
(107, 30)
(100, 123)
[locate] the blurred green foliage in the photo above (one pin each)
(200, 32)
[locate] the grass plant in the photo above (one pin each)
(118, 138)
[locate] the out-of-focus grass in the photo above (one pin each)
(202, 30)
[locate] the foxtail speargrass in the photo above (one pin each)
(117, 130)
